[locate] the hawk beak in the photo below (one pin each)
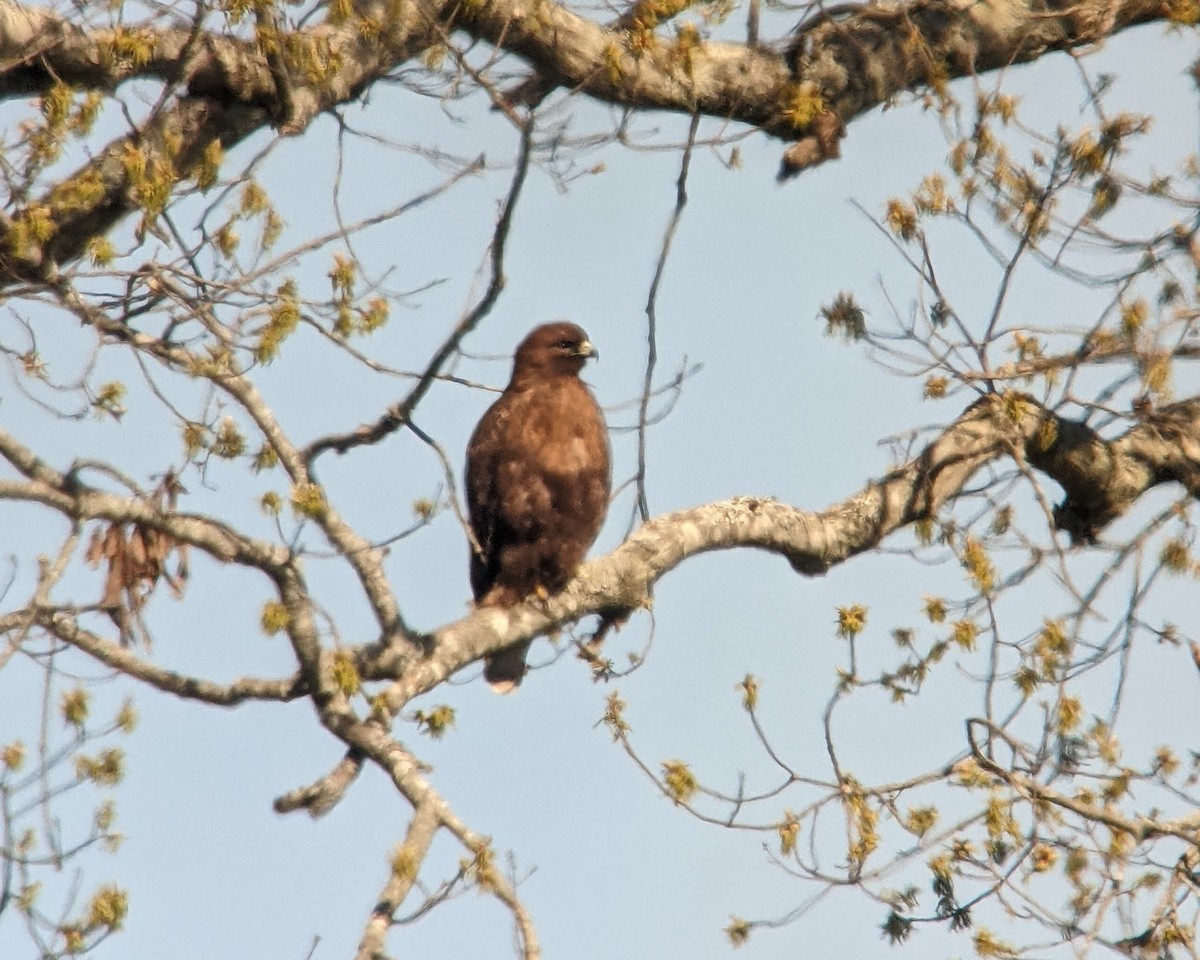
(588, 351)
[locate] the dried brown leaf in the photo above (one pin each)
(95, 548)
(136, 552)
(114, 583)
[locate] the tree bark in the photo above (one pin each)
(832, 70)
(1101, 480)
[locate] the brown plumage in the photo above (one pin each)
(538, 480)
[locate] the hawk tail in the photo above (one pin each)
(505, 671)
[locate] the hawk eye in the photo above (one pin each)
(565, 345)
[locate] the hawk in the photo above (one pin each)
(538, 480)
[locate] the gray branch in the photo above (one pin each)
(841, 67)
(1101, 478)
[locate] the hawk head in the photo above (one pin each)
(554, 348)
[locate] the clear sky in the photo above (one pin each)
(775, 408)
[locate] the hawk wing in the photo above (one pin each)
(538, 478)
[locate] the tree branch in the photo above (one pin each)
(66, 494)
(1101, 478)
(231, 94)
(1139, 828)
(398, 415)
(66, 628)
(406, 863)
(832, 72)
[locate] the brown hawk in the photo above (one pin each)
(538, 481)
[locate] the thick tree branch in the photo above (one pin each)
(39, 48)
(832, 72)
(1101, 479)
(321, 797)
(406, 863)
(840, 68)
(231, 94)
(866, 57)
(89, 202)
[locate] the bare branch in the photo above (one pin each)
(66, 628)
(66, 494)
(321, 797)
(398, 416)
